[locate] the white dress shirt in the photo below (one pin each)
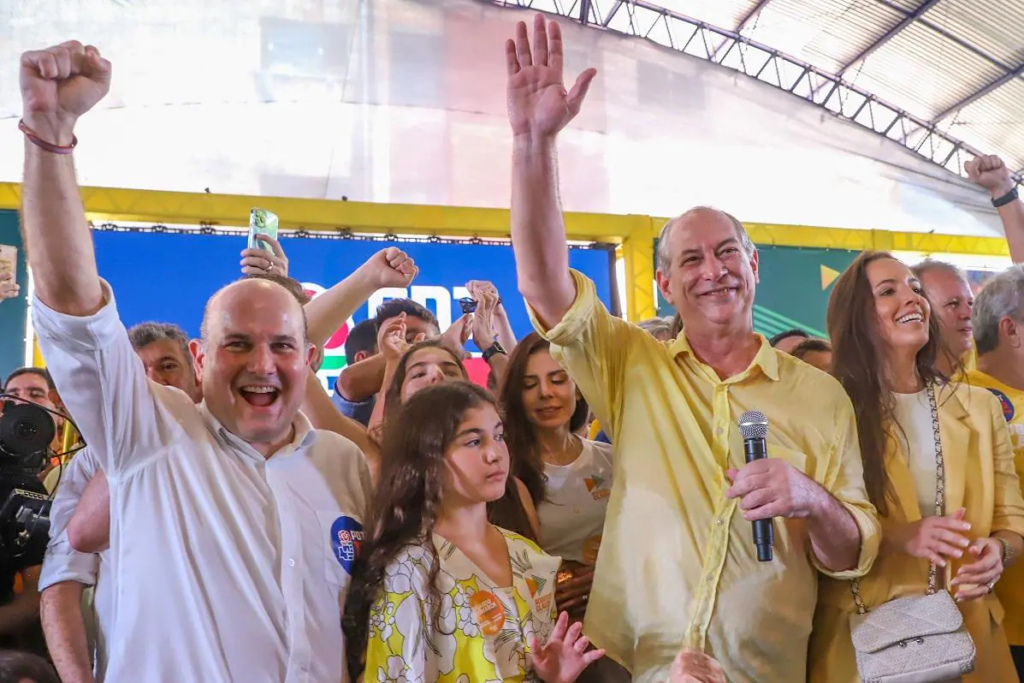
(64, 563)
(227, 566)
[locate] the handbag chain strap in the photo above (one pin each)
(940, 501)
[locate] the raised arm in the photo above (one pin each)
(80, 334)
(538, 108)
(58, 85)
(991, 173)
(389, 267)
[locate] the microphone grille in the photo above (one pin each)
(753, 425)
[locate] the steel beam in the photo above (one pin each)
(906, 21)
(975, 96)
(751, 15)
(878, 108)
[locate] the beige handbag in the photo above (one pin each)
(917, 639)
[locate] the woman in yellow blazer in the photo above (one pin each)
(885, 343)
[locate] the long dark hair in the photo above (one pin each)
(520, 433)
(407, 501)
(859, 365)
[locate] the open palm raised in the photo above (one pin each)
(538, 104)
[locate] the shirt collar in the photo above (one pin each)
(304, 437)
(766, 360)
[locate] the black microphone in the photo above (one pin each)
(754, 428)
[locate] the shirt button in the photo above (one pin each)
(291, 563)
(719, 431)
(719, 522)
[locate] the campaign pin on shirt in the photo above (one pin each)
(489, 613)
(1008, 410)
(346, 541)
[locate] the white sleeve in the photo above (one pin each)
(62, 562)
(101, 381)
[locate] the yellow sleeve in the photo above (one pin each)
(844, 479)
(1008, 509)
(592, 345)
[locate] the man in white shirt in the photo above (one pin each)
(234, 524)
(74, 628)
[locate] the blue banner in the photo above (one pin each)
(168, 277)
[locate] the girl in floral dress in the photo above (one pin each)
(439, 593)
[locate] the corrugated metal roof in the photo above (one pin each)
(928, 57)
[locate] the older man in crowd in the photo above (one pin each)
(999, 337)
(233, 520)
(671, 411)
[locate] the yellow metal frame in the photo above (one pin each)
(634, 234)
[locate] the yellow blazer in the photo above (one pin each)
(980, 477)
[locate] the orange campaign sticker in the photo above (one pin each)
(490, 614)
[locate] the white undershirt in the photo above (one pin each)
(572, 514)
(913, 415)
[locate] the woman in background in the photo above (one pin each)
(438, 592)
(569, 478)
(885, 343)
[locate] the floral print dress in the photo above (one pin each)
(483, 631)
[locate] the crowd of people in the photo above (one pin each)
(586, 516)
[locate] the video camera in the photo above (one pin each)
(26, 431)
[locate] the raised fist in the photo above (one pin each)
(58, 85)
(391, 267)
(991, 173)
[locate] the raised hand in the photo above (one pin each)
(58, 85)
(8, 287)
(538, 104)
(390, 267)
(693, 666)
(483, 317)
(564, 657)
(991, 173)
(257, 261)
(456, 336)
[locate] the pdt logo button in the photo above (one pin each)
(346, 541)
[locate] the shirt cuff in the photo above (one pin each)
(573, 323)
(87, 333)
(870, 539)
(64, 563)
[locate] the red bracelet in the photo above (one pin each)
(43, 144)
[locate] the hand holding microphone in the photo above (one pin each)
(768, 487)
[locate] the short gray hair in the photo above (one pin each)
(1001, 297)
(664, 258)
(657, 326)
(144, 334)
(930, 264)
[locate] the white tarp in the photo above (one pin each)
(403, 101)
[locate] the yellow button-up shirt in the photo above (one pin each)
(677, 564)
(1010, 588)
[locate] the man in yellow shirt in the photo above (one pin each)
(999, 337)
(678, 567)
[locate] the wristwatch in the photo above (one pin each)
(493, 350)
(1008, 551)
(1010, 196)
